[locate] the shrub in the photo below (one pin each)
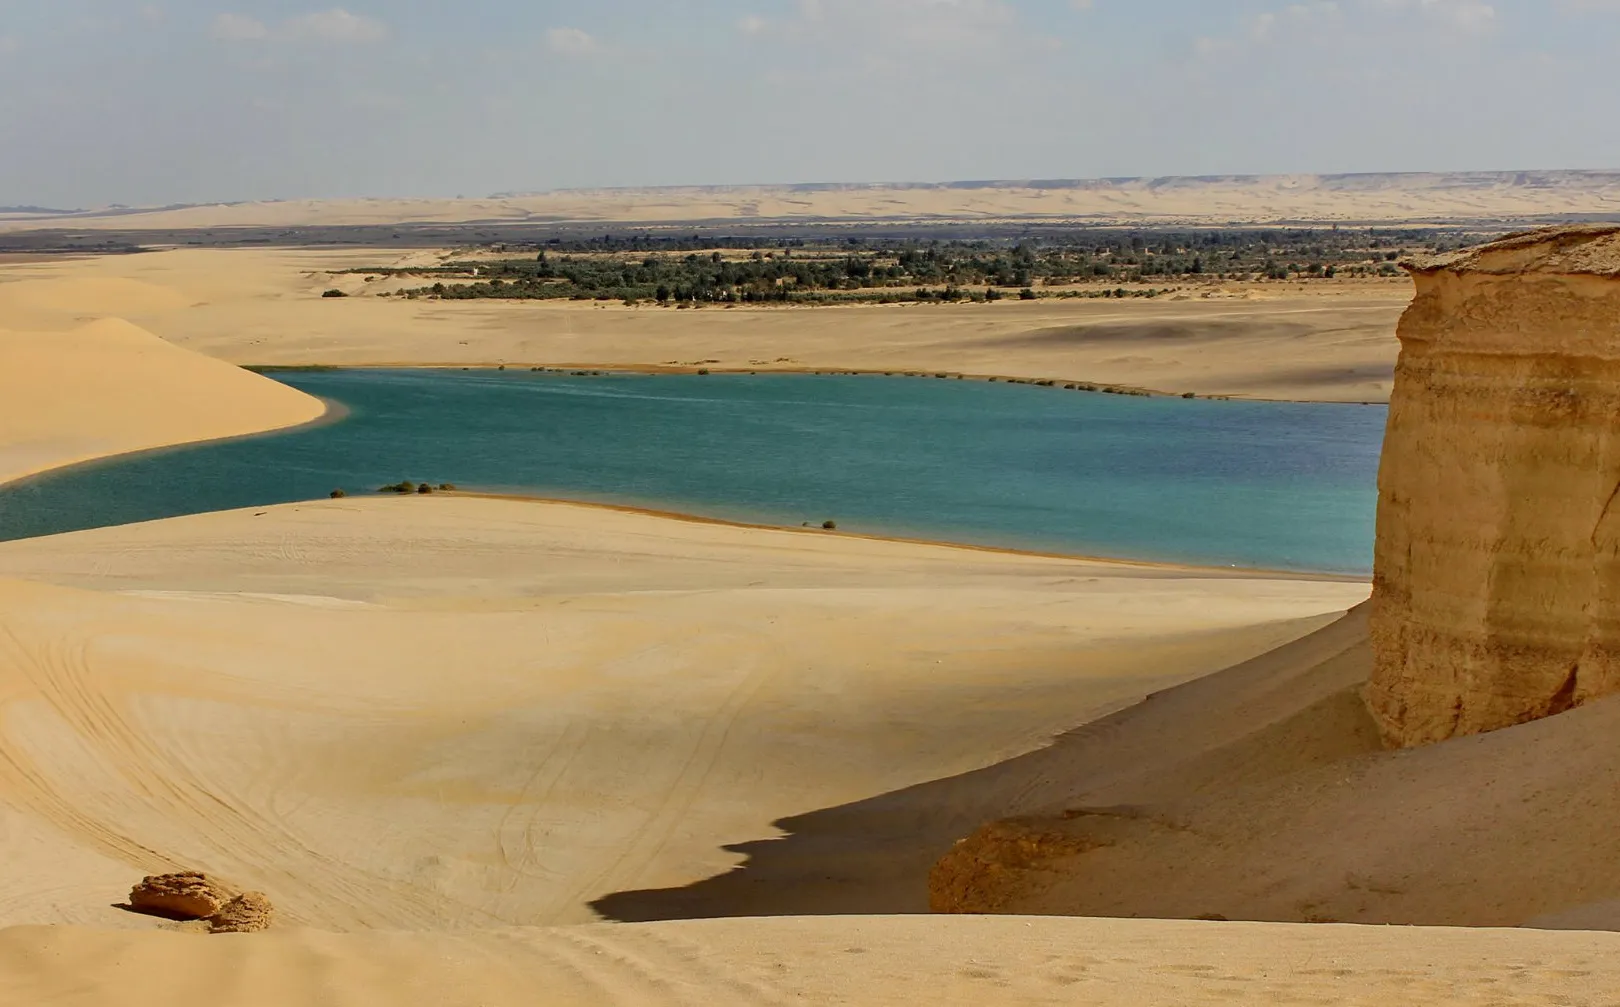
(829, 525)
(447, 487)
(334, 293)
(703, 370)
(338, 494)
(424, 489)
(404, 487)
(1027, 294)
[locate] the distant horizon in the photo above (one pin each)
(195, 102)
(1050, 182)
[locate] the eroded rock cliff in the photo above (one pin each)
(1496, 596)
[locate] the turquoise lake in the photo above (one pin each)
(1252, 484)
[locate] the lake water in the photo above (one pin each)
(1277, 485)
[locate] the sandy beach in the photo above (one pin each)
(450, 734)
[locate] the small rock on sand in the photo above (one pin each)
(248, 913)
(190, 895)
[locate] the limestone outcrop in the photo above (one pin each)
(193, 895)
(1496, 593)
(248, 913)
(187, 895)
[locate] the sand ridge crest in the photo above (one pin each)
(109, 386)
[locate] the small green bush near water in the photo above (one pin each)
(829, 525)
(409, 487)
(339, 494)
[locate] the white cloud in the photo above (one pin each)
(571, 41)
(929, 23)
(335, 26)
(239, 28)
(1340, 23)
(1467, 15)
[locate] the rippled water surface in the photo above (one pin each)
(1245, 483)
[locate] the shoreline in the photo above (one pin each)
(566, 369)
(335, 412)
(1134, 564)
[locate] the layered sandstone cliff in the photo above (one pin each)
(1496, 596)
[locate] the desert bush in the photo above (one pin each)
(334, 293)
(339, 494)
(829, 525)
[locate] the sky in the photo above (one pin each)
(195, 101)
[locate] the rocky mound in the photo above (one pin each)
(193, 895)
(1497, 589)
(248, 913)
(186, 895)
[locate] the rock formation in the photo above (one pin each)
(1496, 596)
(188, 895)
(248, 913)
(193, 895)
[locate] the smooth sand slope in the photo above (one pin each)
(1278, 802)
(1327, 342)
(1113, 963)
(108, 387)
(449, 712)
(1218, 200)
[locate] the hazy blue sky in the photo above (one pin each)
(199, 100)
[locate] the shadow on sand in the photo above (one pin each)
(872, 857)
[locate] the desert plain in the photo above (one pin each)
(489, 751)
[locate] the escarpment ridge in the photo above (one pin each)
(1497, 593)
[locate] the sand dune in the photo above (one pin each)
(1331, 342)
(432, 713)
(1200, 200)
(1279, 803)
(1115, 963)
(108, 387)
